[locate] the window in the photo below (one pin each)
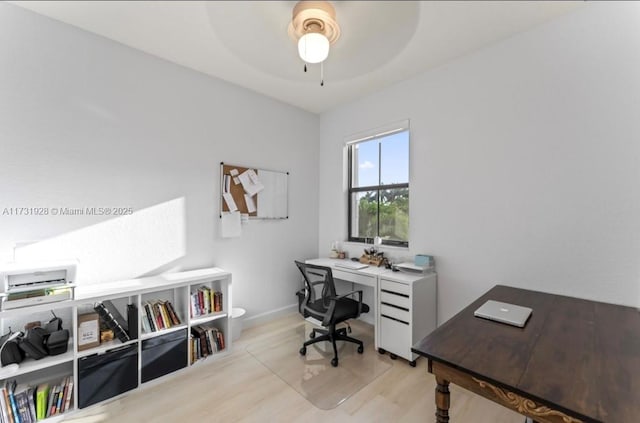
(379, 187)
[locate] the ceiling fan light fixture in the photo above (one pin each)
(314, 27)
(313, 47)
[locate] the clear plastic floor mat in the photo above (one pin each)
(312, 375)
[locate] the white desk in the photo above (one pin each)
(403, 306)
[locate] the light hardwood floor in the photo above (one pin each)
(238, 388)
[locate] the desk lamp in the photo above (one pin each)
(9, 369)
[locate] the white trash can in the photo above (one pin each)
(237, 316)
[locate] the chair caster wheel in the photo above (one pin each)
(303, 351)
(312, 334)
(412, 363)
(360, 349)
(381, 351)
(334, 362)
(393, 356)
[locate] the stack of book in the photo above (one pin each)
(205, 301)
(158, 315)
(110, 315)
(28, 405)
(205, 341)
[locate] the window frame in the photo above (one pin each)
(351, 190)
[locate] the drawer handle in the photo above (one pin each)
(395, 293)
(393, 318)
(394, 306)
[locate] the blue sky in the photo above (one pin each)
(395, 163)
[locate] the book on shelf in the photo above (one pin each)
(165, 316)
(156, 312)
(42, 396)
(213, 340)
(115, 322)
(3, 407)
(53, 400)
(193, 309)
(59, 400)
(32, 404)
(67, 401)
(192, 350)
(197, 354)
(217, 300)
(206, 299)
(211, 343)
(220, 339)
(23, 407)
(150, 319)
(201, 302)
(6, 404)
(21, 404)
(63, 396)
(172, 313)
(197, 303)
(10, 386)
(144, 320)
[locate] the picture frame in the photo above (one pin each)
(88, 331)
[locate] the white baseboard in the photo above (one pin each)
(270, 315)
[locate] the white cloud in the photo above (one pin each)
(366, 165)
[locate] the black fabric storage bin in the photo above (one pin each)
(164, 354)
(104, 376)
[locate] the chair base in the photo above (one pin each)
(332, 335)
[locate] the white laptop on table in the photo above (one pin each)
(510, 314)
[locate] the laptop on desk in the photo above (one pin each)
(510, 314)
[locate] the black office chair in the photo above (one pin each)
(321, 302)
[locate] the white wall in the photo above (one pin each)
(525, 161)
(87, 122)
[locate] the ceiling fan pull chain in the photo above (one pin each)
(305, 67)
(322, 74)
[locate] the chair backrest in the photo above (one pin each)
(319, 285)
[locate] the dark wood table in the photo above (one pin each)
(574, 361)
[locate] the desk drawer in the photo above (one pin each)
(395, 337)
(396, 313)
(397, 287)
(395, 299)
(353, 277)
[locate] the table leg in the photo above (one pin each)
(442, 400)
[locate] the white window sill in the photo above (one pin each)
(379, 247)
